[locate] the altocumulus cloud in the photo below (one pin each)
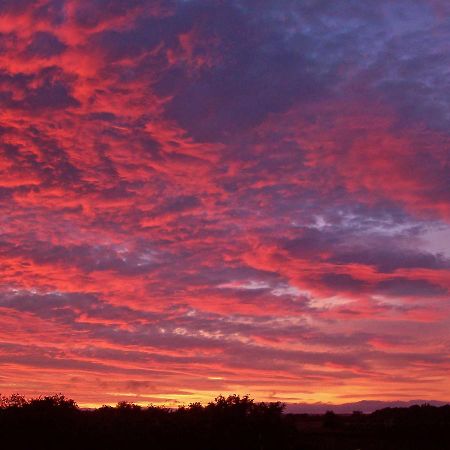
(204, 196)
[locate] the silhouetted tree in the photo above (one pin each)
(233, 422)
(331, 420)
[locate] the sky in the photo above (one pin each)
(212, 197)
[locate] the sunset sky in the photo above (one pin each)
(225, 196)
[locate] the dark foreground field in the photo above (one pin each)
(232, 423)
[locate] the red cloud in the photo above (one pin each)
(196, 199)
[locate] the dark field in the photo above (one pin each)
(233, 423)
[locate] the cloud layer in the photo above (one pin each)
(203, 197)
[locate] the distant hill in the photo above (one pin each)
(365, 406)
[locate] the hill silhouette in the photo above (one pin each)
(365, 406)
(226, 423)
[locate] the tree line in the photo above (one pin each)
(226, 423)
